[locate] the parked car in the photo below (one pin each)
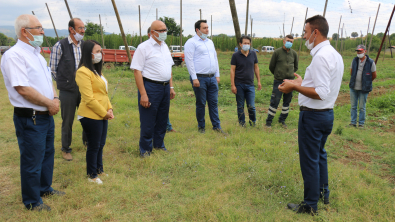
(256, 50)
(131, 48)
(46, 50)
(175, 48)
(268, 49)
(4, 48)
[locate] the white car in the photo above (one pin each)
(131, 48)
(268, 49)
(175, 48)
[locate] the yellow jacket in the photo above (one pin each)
(94, 96)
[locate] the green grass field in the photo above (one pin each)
(248, 175)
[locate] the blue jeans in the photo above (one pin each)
(208, 91)
(313, 131)
(153, 120)
(96, 133)
(168, 126)
(36, 146)
(245, 93)
(358, 98)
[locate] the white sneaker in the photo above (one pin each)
(96, 180)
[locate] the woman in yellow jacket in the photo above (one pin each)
(95, 108)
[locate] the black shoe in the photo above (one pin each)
(353, 125)
(284, 125)
(160, 148)
(201, 130)
(360, 126)
(302, 208)
(326, 200)
(268, 125)
(242, 124)
(144, 155)
(252, 123)
(220, 131)
(54, 192)
(41, 207)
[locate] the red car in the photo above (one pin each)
(46, 50)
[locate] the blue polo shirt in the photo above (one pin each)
(244, 73)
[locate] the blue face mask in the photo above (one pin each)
(245, 47)
(288, 45)
(203, 36)
(37, 40)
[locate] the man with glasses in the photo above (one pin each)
(152, 64)
(65, 58)
(31, 92)
(202, 63)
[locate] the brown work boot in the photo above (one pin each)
(67, 156)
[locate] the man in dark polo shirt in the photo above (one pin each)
(283, 65)
(244, 64)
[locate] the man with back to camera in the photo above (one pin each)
(244, 64)
(152, 64)
(31, 92)
(363, 72)
(283, 65)
(202, 63)
(65, 57)
(318, 92)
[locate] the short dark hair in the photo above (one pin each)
(244, 37)
(72, 23)
(289, 36)
(197, 24)
(86, 57)
(319, 22)
(149, 30)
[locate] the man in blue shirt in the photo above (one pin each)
(202, 63)
(244, 64)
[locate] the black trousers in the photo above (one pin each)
(69, 102)
(275, 101)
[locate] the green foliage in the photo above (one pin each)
(172, 27)
(354, 34)
(380, 35)
(3, 39)
(92, 28)
(335, 36)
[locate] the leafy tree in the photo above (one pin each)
(354, 34)
(92, 28)
(380, 35)
(172, 27)
(296, 35)
(335, 36)
(3, 39)
(281, 36)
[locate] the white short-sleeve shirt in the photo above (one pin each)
(325, 74)
(22, 65)
(153, 60)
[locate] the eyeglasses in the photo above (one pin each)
(161, 31)
(38, 27)
(81, 28)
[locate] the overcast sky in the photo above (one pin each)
(268, 15)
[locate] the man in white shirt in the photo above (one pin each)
(202, 63)
(152, 64)
(318, 92)
(31, 92)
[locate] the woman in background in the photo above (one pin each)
(95, 108)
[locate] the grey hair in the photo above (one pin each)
(22, 21)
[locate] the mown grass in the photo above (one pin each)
(248, 175)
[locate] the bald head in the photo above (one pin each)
(24, 21)
(158, 25)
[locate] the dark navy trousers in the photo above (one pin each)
(36, 147)
(314, 129)
(153, 120)
(208, 91)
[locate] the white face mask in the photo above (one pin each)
(361, 55)
(310, 46)
(78, 36)
(96, 58)
(202, 35)
(162, 36)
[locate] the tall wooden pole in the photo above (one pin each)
(52, 22)
(301, 37)
(180, 25)
(101, 31)
(251, 33)
(248, 3)
(367, 33)
(200, 11)
(211, 27)
(50, 47)
(122, 32)
(338, 32)
(156, 13)
(235, 21)
(292, 25)
(385, 46)
(389, 42)
(141, 38)
(341, 45)
(370, 42)
(386, 30)
(68, 9)
(326, 3)
(283, 31)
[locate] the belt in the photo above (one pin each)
(157, 82)
(28, 112)
(205, 75)
(303, 108)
